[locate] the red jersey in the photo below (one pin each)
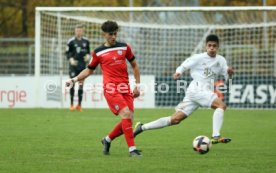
(113, 62)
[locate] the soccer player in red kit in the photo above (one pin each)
(112, 56)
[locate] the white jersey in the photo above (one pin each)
(204, 70)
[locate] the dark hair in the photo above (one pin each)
(212, 37)
(109, 26)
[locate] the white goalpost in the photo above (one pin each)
(162, 38)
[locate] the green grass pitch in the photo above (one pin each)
(59, 141)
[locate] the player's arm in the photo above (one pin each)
(131, 58)
(136, 73)
(187, 64)
(84, 74)
(227, 71)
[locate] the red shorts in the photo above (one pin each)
(117, 101)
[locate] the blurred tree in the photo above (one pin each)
(9, 17)
(270, 2)
(24, 12)
(17, 18)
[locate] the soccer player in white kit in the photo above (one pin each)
(203, 68)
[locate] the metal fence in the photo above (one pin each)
(17, 56)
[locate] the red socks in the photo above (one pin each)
(128, 132)
(123, 127)
(117, 131)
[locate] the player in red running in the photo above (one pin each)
(112, 56)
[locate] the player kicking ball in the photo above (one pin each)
(203, 68)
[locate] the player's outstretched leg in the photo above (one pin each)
(219, 139)
(138, 129)
(176, 118)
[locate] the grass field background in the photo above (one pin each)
(59, 141)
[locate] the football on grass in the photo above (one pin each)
(202, 144)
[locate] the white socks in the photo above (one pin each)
(217, 121)
(107, 139)
(130, 149)
(166, 121)
(157, 124)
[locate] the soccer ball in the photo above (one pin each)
(202, 144)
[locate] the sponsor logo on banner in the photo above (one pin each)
(253, 94)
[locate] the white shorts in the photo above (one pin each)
(194, 100)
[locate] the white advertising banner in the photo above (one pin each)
(23, 92)
(17, 92)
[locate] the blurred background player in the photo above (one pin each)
(112, 56)
(204, 68)
(78, 54)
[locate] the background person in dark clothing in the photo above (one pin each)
(78, 54)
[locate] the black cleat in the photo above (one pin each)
(106, 146)
(138, 129)
(135, 153)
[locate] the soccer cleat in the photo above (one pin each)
(219, 139)
(78, 108)
(106, 146)
(135, 153)
(138, 129)
(72, 108)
